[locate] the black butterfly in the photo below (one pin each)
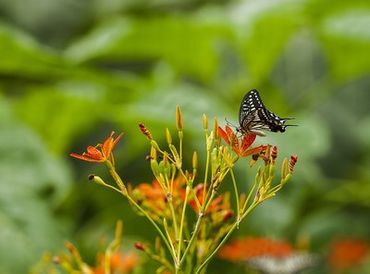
(254, 116)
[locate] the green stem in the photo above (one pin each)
(182, 220)
(174, 219)
(116, 177)
(249, 195)
(120, 183)
(196, 229)
(165, 240)
(236, 192)
(169, 238)
(206, 169)
(180, 141)
(206, 261)
(193, 236)
(160, 260)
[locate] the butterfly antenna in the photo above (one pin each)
(230, 124)
(290, 118)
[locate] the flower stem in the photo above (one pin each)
(160, 260)
(124, 192)
(174, 219)
(182, 221)
(206, 261)
(249, 196)
(236, 196)
(197, 226)
(170, 241)
(116, 177)
(155, 225)
(206, 168)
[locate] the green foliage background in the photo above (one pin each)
(71, 71)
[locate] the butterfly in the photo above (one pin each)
(254, 116)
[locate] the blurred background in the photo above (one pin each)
(72, 71)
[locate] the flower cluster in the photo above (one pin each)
(178, 186)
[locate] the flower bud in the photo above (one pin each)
(175, 155)
(72, 249)
(227, 215)
(154, 144)
(273, 153)
(292, 161)
(284, 168)
(209, 142)
(195, 160)
(145, 131)
(286, 178)
(155, 167)
(96, 179)
(153, 153)
(205, 122)
(272, 170)
(168, 136)
(139, 246)
(215, 129)
(179, 118)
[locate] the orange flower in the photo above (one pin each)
(219, 208)
(240, 148)
(348, 253)
(243, 249)
(101, 152)
(153, 197)
(119, 263)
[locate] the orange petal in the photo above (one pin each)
(94, 153)
(223, 135)
(252, 151)
(117, 139)
(230, 132)
(233, 139)
(84, 158)
(248, 140)
(108, 145)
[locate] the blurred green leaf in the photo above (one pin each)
(350, 193)
(33, 183)
(58, 115)
(190, 46)
(346, 40)
(22, 56)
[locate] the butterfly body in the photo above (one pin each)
(255, 117)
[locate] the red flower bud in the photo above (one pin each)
(228, 214)
(292, 161)
(274, 153)
(139, 246)
(145, 131)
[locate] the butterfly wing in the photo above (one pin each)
(249, 110)
(254, 116)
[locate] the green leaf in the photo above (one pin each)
(33, 182)
(22, 56)
(60, 114)
(187, 44)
